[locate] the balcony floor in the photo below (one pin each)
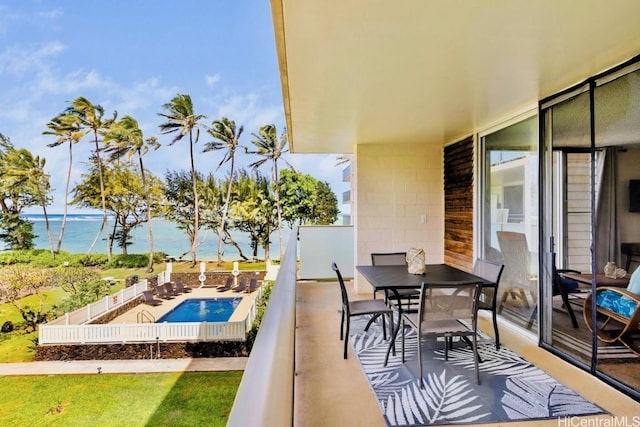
(331, 391)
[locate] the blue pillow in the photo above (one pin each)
(618, 303)
(634, 282)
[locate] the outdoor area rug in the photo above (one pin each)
(510, 388)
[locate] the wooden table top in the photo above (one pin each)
(601, 279)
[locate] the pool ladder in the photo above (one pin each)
(144, 315)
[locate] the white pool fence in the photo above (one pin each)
(74, 327)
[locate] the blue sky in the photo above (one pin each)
(133, 57)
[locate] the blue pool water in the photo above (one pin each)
(202, 310)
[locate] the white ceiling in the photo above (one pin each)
(432, 71)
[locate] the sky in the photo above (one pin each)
(133, 57)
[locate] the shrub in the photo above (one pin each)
(42, 258)
(92, 260)
(261, 307)
(135, 260)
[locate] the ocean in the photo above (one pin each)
(81, 230)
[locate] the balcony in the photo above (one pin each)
(302, 380)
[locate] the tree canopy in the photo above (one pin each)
(221, 201)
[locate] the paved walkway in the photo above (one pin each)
(124, 366)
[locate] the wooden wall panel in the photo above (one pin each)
(458, 204)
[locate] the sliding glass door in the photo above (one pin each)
(590, 156)
(509, 232)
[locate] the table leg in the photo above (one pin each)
(394, 334)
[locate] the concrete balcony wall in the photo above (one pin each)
(398, 193)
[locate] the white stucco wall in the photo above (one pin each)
(395, 187)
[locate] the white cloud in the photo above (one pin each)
(6, 18)
(211, 80)
(71, 83)
(19, 60)
(51, 14)
(248, 110)
(146, 95)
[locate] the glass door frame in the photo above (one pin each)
(549, 213)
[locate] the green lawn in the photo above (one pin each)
(18, 346)
(172, 399)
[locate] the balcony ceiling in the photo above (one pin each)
(432, 71)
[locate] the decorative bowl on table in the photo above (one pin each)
(620, 273)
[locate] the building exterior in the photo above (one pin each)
(464, 120)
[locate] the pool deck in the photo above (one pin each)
(240, 313)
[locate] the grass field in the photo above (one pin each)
(171, 399)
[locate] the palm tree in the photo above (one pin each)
(24, 183)
(271, 149)
(66, 128)
(181, 120)
(125, 139)
(91, 120)
(41, 186)
(227, 138)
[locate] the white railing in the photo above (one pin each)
(142, 332)
(98, 308)
(68, 333)
(265, 395)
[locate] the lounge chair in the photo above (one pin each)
(227, 285)
(161, 291)
(253, 285)
(147, 298)
(182, 288)
(170, 289)
(242, 286)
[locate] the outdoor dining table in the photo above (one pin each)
(601, 279)
(393, 277)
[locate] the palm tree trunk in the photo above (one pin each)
(105, 223)
(46, 224)
(225, 210)
(196, 208)
(146, 193)
(277, 185)
(95, 240)
(66, 198)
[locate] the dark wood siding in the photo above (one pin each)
(458, 204)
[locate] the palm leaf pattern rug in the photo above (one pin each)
(510, 387)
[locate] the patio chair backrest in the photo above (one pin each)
(438, 303)
(389, 258)
(343, 289)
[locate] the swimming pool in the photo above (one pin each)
(202, 310)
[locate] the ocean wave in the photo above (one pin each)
(70, 217)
